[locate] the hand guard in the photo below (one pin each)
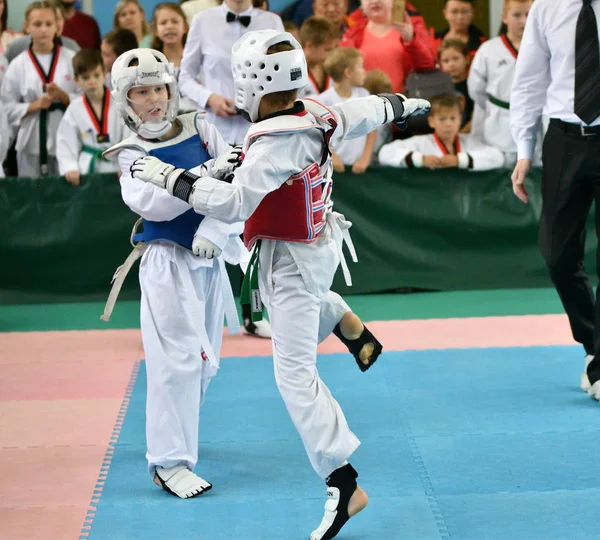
(226, 164)
(404, 107)
(177, 182)
(204, 248)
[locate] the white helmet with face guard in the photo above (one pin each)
(256, 73)
(140, 68)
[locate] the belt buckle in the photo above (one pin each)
(583, 132)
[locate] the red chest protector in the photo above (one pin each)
(295, 212)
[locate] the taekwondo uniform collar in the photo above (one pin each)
(298, 110)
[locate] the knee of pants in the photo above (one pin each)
(176, 376)
(295, 376)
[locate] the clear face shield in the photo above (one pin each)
(153, 107)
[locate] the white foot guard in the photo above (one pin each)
(181, 482)
(585, 382)
(341, 486)
(261, 329)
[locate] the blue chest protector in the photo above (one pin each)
(186, 154)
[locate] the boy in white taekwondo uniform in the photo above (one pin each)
(490, 82)
(184, 284)
(283, 191)
(91, 123)
(446, 147)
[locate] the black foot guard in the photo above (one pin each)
(341, 485)
(356, 345)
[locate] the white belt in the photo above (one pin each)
(121, 273)
(231, 315)
(339, 229)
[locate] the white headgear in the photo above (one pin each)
(152, 69)
(255, 73)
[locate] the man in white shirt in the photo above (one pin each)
(558, 75)
(207, 53)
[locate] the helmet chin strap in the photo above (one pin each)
(244, 115)
(149, 130)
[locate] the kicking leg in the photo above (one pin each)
(337, 317)
(361, 343)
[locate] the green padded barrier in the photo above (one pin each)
(438, 230)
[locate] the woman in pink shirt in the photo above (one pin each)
(395, 48)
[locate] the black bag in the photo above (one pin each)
(425, 86)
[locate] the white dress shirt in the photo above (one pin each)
(544, 81)
(208, 51)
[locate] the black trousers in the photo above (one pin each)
(570, 183)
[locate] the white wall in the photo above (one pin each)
(495, 13)
(16, 11)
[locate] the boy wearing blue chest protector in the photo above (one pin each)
(185, 288)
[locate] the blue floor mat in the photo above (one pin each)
(456, 444)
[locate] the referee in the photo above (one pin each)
(558, 74)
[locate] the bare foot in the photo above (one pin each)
(352, 327)
(358, 501)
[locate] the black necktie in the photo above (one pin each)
(244, 19)
(587, 65)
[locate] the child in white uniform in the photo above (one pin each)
(35, 92)
(490, 82)
(185, 287)
(282, 188)
(446, 147)
(91, 123)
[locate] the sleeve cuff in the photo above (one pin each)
(201, 194)
(417, 159)
(65, 166)
(217, 237)
(194, 91)
(525, 149)
(463, 160)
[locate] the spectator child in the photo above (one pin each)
(460, 14)
(445, 147)
(377, 81)
(114, 44)
(345, 67)
(490, 80)
(318, 38)
(170, 29)
(91, 123)
(454, 60)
